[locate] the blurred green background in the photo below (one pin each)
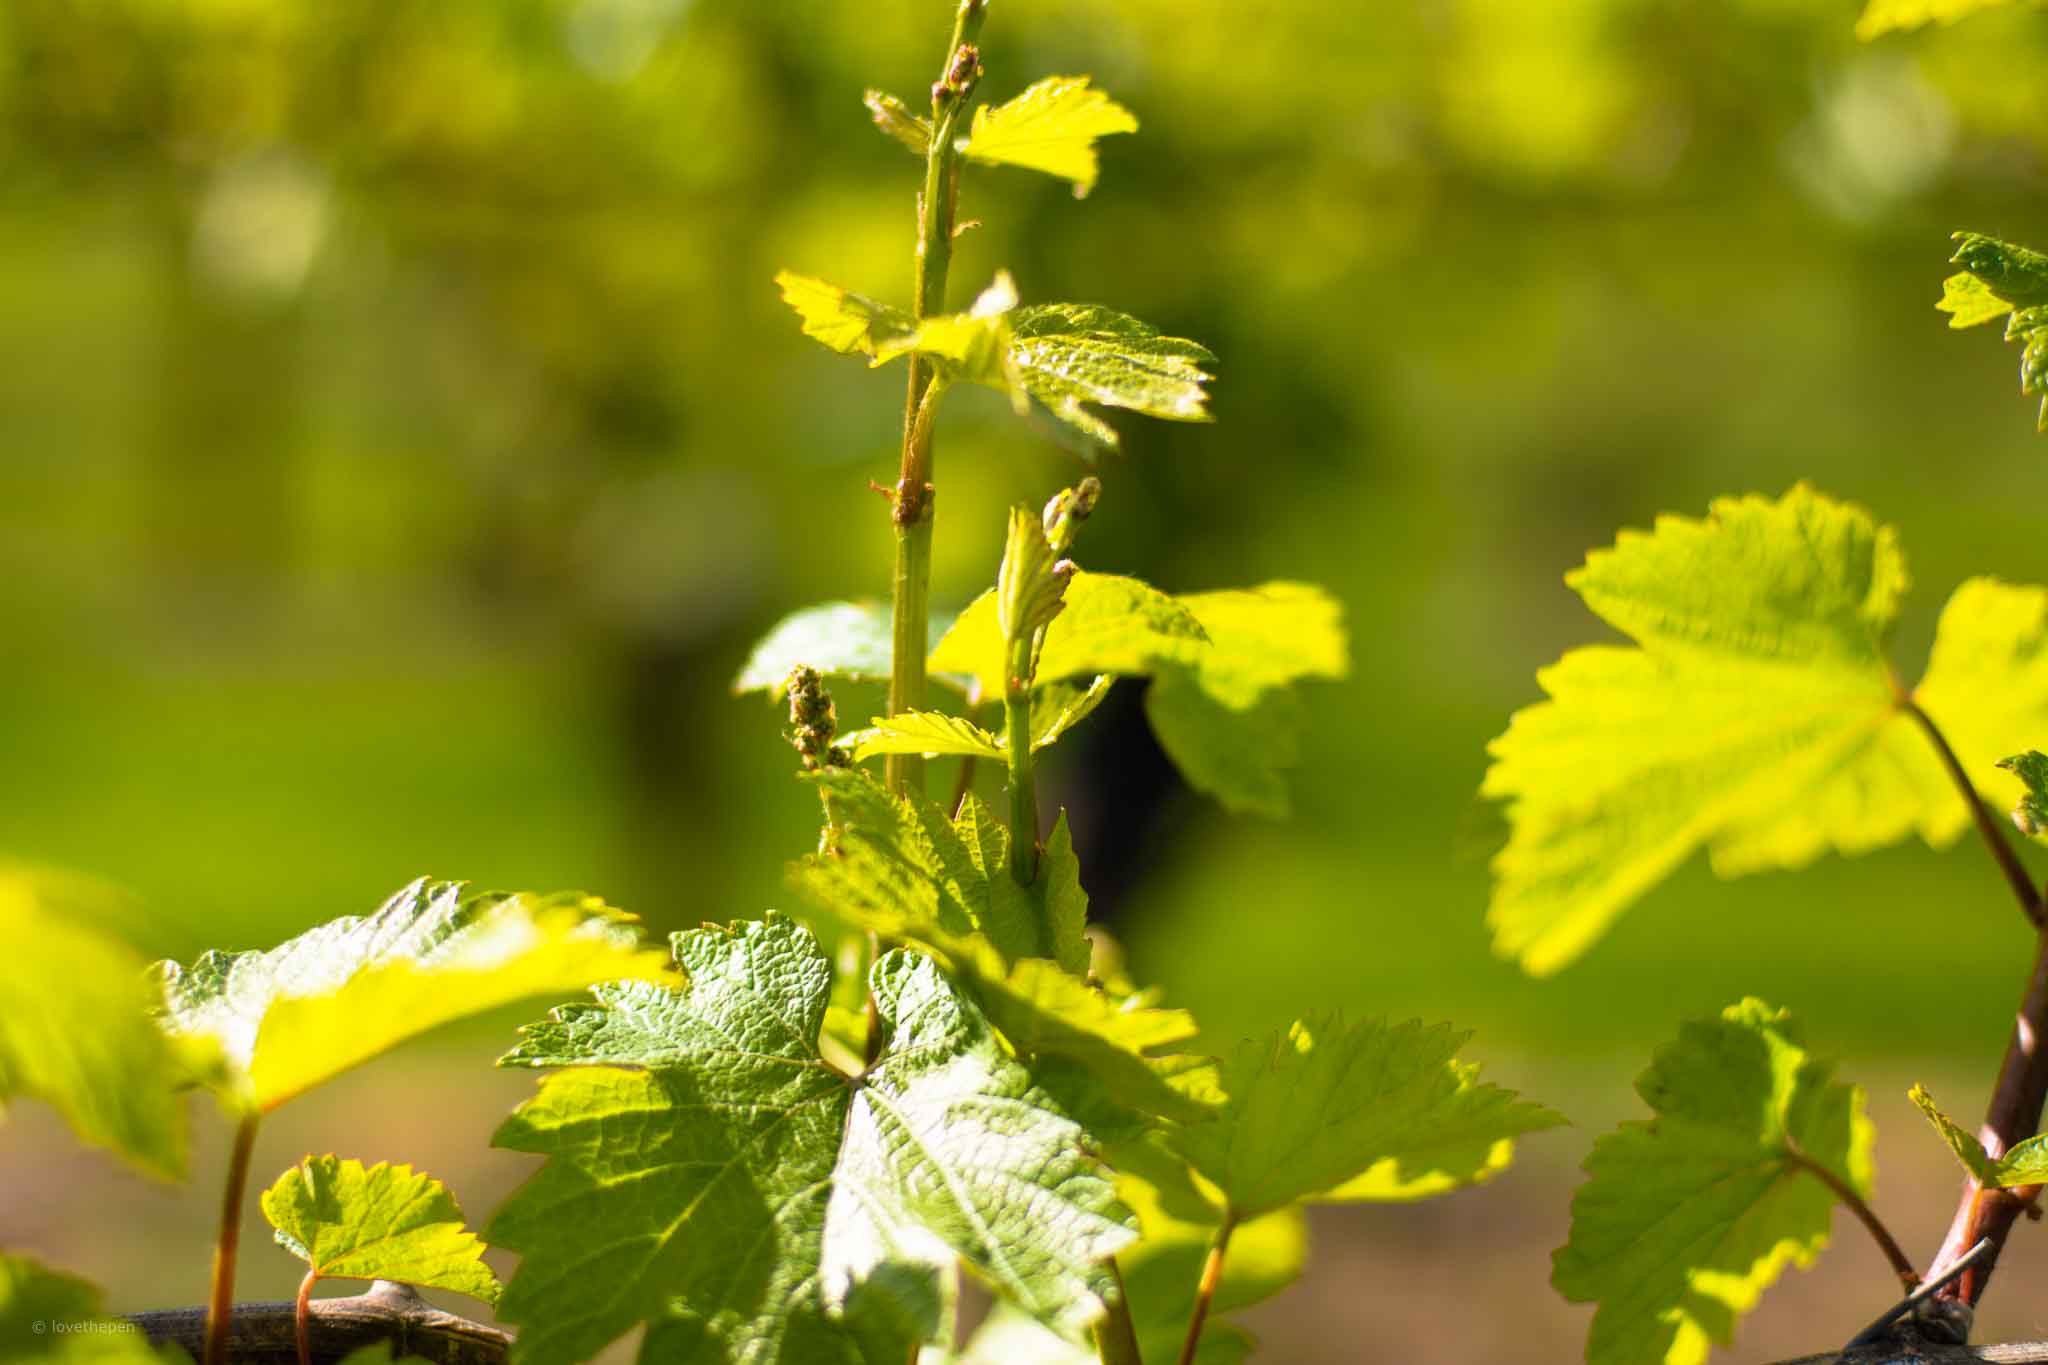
(401, 443)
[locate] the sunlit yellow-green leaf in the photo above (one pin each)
(75, 1028)
(845, 321)
(894, 117)
(1685, 1220)
(1884, 16)
(1111, 624)
(1051, 127)
(286, 1019)
(1757, 717)
(930, 733)
(383, 1222)
(1344, 1112)
(1969, 301)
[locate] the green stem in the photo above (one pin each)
(1205, 1291)
(912, 511)
(1023, 782)
(1116, 1336)
(221, 1305)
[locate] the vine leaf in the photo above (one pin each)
(849, 323)
(384, 1222)
(850, 640)
(2031, 767)
(32, 1297)
(1160, 1274)
(1884, 16)
(75, 1028)
(1341, 1113)
(1222, 664)
(282, 1021)
(1051, 127)
(2003, 280)
(930, 733)
(1686, 1219)
(1068, 355)
(750, 1203)
(1756, 715)
(2025, 1164)
(894, 117)
(900, 869)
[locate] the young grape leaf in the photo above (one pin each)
(1884, 16)
(972, 345)
(1067, 355)
(76, 1033)
(1160, 1274)
(2025, 1164)
(845, 321)
(2031, 767)
(284, 1020)
(1051, 127)
(750, 1203)
(1341, 1112)
(1756, 717)
(1221, 664)
(1227, 717)
(900, 869)
(385, 1222)
(2003, 280)
(895, 118)
(851, 640)
(1111, 624)
(929, 733)
(48, 1315)
(1058, 707)
(1686, 1219)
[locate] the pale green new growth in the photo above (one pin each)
(717, 1179)
(929, 733)
(1051, 127)
(845, 321)
(2025, 1164)
(1884, 16)
(1342, 1112)
(903, 871)
(381, 1223)
(75, 1030)
(1758, 718)
(34, 1298)
(2031, 767)
(1686, 1219)
(1064, 355)
(1223, 666)
(848, 640)
(2000, 279)
(280, 1022)
(894, 117)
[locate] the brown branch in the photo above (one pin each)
(2014, 1116)
(2009, 1353)
(1902, 1264)
(266, 1333)
(1987, 824)
(221, 1298)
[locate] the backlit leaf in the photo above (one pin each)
(75, 1027)
(1884, 16)
(929, 733)
(1757, 717)
(2031, 767)
(1051, 127)
(284, 1020)
(849, 323)
(2003, 279)
(895, 118)
(1686, 1219)
(385, 1222)
(1067, 355)
(1344, 1112)
(750, 1203)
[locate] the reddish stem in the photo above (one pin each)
(302, 1317)
(1902, 1264)
(1205, 1291)
(221, 1306)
